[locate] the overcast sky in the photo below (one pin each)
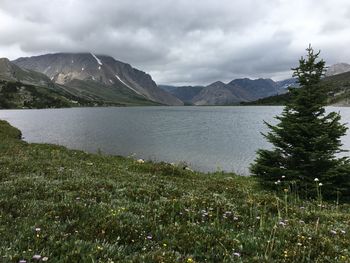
(182, 41)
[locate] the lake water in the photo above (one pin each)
(206, 138)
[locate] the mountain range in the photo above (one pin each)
(234, 92)
(243, 90)
(337, 85)
(86, 79)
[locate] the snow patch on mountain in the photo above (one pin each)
(127, 85)
(97, 59)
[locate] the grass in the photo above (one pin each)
(71, 206)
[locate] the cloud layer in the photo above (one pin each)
(183, 41)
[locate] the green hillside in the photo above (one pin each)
(92, 90)
(16, 95)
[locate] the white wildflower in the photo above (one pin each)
(36, 257)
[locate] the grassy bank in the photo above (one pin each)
(70, 206)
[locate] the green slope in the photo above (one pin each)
(17, 95)
(92, 90)
(71, 206)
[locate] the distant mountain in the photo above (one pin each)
(338, 69)
(97, 76)
(184, 93)
(234, 92)
(217, 93)
(338, 87)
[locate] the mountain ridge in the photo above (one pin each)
(233, 92)
(62, 68)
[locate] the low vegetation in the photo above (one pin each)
(60, 205)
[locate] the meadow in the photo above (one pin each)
(61, 205)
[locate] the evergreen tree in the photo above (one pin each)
(306, 139)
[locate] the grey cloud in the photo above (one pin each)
(184, 41)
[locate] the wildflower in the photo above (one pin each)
(285, 190)
(281, 223)
(278, 182)
(188, 169)
(99, 248)
(164, 245)
(45, 259)
(283, 176)
(299, 244)
(190, 260)
(140, 161)
(149, 237)
(37, 229)
(316, 180)
(235, 218)
(90, 164)
(258, 217)
(36, 257)
(342, 231)
(237, 254)
(320, 184)
(301, 222)
(22, 261)
(333, 232)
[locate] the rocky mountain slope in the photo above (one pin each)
(11, 72)
(96, 76)
(20, 88)
(338, 68)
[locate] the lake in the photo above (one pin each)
(206, 138)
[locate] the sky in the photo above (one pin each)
(182, 42)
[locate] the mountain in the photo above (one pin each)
(11, 72)
(184, 93)
(21, 88)
(216, 93)
(283, 85)
(98, 76)
(234, 92)
(338, 69)
(338, 87)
